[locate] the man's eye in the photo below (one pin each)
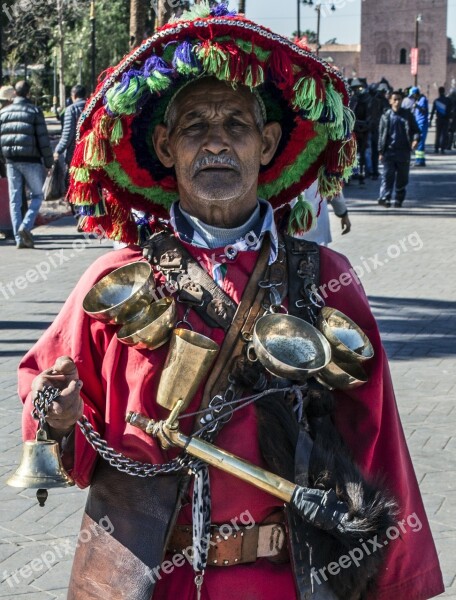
(235, 123)
(195, 126)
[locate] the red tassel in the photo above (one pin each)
(281, 68)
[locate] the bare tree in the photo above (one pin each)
(138, 21)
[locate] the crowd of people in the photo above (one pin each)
(390, 124)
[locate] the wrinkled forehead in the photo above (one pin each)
(208, 93)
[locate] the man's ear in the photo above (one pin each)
(271, 135)
(161, 146)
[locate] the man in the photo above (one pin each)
(67, 140)
(442, 108)
(24, 144)
(420, 110)
(170, 115)
(379, 104)
(361, 105)
(398, 135)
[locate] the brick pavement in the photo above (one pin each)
(413, 293)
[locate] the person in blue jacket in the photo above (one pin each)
(420, 109)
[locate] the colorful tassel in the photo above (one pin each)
(95, 151)
(329, 186)
(309, 97)
(116, 132)
(80, 174)
(254, 74)
(302, 217)
(213, 58)
(221, 10)
(185, 61)
(122, 99)
(157, 82)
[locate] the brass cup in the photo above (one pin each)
(349, 343)
(121, 295)
(189, 359)
(289, 347)
(153, 328)
(342, 376)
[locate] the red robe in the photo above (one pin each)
(118, 379)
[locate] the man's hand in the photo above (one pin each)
(68, 408)
(414, 144)
(56, 156)
(380, 157)
(345, 224)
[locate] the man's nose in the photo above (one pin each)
(216, 140)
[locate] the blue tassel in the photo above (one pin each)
(221, 10)
(126, 79)
(185, 60)
(155, 63)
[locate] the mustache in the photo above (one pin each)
(214, 161)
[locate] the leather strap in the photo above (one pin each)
(194, 285)
(248, 309)
(236, 546)
(304, 275)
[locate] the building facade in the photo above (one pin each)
(388, 33)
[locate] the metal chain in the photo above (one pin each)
(127, 465)
(49, 394)
(42, 402)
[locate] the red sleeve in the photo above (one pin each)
(368, 419)
(84, 339)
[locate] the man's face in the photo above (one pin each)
(216, 145)
(395, 102)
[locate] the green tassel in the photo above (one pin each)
(124, 103)
(117, 132)
(335, 111)
(100, 209)
(157, 82)
(184, 69)
(95, 151)
(306, 98)
(302, 217)
(213, 59)
(254, 76)
(328, 186)
(80, 174)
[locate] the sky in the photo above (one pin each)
(343, 24)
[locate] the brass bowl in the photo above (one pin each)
(121, 295)
(289, 347)
(342, 376)
(349, 343)
(153, 328)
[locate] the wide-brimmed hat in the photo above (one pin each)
(115, 168)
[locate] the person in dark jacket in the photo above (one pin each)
(442, 109)
(72, 113)
(398, 135)
(379, 104)
(24, 145)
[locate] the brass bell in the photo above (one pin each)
(40, 467)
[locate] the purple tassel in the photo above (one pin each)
(126, 79)
(221, 10)
(184, 53)
(155, 63)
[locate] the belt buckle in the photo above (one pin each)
(225, 550)
(271, 539)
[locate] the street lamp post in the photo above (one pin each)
(55, 99)
(318, 9)
(93, 45)
(417, 34)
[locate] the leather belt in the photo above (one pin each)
(242, 545)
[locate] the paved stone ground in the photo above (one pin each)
(413, 294)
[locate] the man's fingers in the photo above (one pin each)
(65, 365)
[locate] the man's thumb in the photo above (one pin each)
(65, 365)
